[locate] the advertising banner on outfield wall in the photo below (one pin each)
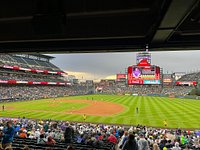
(186, 83)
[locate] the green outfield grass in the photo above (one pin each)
(183, 113)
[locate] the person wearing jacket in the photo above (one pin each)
(130, 144)
(8, 134)
(143, 143)
(68, 134)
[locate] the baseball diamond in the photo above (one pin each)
(111, 109)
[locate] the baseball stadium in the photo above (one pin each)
(100, 75)
(35, 90)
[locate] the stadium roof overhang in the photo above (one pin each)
(42, 56)
(98, 26)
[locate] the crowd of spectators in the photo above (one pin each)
(32, 92)
(195, 76)
(20, 76)
(177, 90)
(48, 133)
(149, 90)
(139, 89)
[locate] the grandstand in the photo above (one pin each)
(29, 69)
(32, 61)
(195, 76)
(31, 134)
(32, 76)
(146, 90)
(177, 90)
(14, 92)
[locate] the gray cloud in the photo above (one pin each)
(111, 63)
(184, 61)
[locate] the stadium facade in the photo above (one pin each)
(32, 76)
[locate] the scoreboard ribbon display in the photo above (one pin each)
(143, 75)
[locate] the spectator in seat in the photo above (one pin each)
(142, 143)
(41, 139)
(58, 135)
(68, 135)
(168, 144)
(50, 141)
(187, 147)
(23, 134)
(196, 142)
(123, 139)
(130, 144)
(46, 127)
(37, 133)
(8, 134)
(112, 139)
(176, 146)
(155, 146)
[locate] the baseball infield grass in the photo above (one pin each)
(182, 113)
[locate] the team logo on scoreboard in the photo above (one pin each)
(136, 72)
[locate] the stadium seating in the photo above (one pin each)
(33, 92)
(149, 90)
(32, 144)
(27, 62)
(177, 90)
(139, 89)
(95, 136)
(30, 70)
(195, 76)
(22, 76)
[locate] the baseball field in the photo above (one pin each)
(112, 109)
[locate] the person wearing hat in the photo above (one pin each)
(8, 134)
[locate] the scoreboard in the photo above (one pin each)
(143, 75)
(121, 77)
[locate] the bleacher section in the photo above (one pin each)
(190, 77)
(15, 60)
(29, 69)
(32, 144)
(21, 76)
(32, 92)
(55, 135)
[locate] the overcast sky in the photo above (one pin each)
(105, 65)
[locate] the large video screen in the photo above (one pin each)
(121, 77)
(143, 75)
